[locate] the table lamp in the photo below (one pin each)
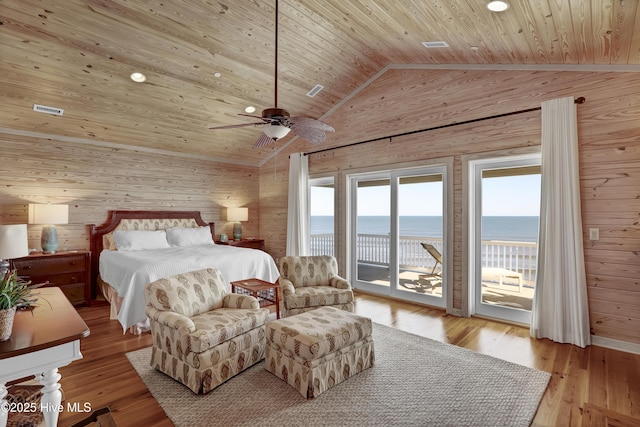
(13, 244)
(49, 215)
(237, 215)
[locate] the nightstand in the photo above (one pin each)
(245, 243)
(68, 270)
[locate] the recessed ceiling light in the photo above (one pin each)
(217, 74)
(138, 77)
(250, 109)
(497, 6)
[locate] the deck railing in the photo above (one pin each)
(373, 249)
(520, 257)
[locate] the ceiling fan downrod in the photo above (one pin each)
(276, 61)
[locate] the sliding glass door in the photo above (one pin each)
(505, 213)
(397, 233)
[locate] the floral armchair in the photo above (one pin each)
(310, 282)
(202, 334)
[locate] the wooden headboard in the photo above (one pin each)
(167, 218)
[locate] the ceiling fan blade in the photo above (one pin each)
(255, 117)
(313, 135)
(236, 126)
(263, 141)
(310, 123)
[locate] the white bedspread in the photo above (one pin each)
(129, 272)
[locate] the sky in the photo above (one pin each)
(511, 196)
(505, 196)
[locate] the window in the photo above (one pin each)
(322, 216)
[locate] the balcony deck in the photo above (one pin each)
(508, 267)
(507, 294)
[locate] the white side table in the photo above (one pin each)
(44, 339)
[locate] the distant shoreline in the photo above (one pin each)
(509, 228)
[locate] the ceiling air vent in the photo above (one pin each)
(430, 45)
(48, 110)
(313, 92)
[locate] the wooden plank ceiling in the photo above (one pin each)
(78, 54)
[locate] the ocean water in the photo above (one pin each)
(509, 228)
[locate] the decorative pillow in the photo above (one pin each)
(139, 240)
(189, 236)
(109, 243)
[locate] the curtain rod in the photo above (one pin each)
(579, 100)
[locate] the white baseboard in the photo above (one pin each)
(628, 347)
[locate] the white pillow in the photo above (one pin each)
(189, 236)
(139, 240)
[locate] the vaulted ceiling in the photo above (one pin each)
(205, 61)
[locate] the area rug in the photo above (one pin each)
(415, 381)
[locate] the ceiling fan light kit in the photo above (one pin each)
(275, 131)
(277, 123)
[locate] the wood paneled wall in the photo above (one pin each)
(93, 180)
(405, 100)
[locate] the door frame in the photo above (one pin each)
(473, 238)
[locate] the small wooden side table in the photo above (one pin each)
(265, 292)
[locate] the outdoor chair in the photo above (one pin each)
(435, 277)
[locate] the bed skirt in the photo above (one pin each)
(115, 302)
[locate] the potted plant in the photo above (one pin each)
(15, 293)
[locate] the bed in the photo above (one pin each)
(133, 248)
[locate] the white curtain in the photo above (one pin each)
(560, 310)
(297, 217)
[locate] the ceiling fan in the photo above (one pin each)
(277, 123)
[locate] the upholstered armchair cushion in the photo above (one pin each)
(240, 301)
(317, 296)
(309, 282)
(171, 320)
(188, 294)
(309, 270)
(218, 326)
(178, 321)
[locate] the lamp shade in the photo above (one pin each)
(237, 214)
(275, 131)
(48, 214)
(13, 241)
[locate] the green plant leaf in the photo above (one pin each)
(14, 291)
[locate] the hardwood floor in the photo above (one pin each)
(589, 387)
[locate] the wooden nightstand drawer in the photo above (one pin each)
(59, 279)
(75, 293)
(51, 265)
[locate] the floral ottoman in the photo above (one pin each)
(315, 350)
